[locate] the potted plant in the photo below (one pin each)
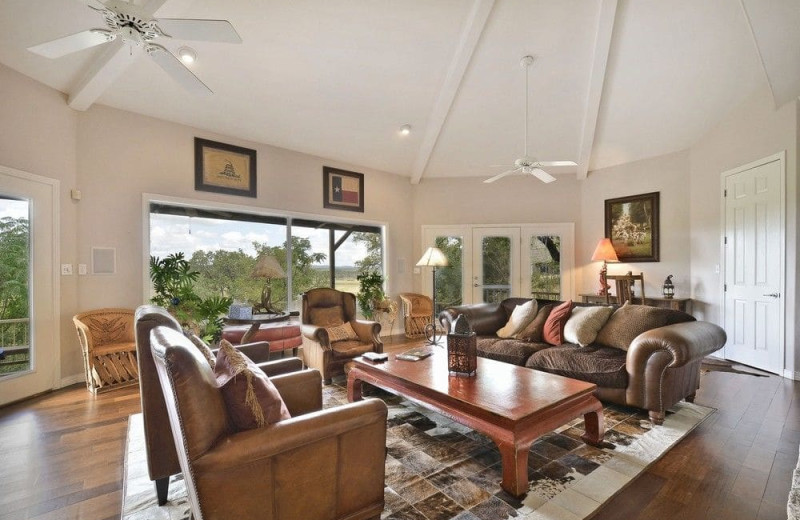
(370, 293)
(173, 284)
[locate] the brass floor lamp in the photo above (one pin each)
(432, 257)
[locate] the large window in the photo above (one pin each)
(224, 247)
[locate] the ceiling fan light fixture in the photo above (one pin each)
(187, 54)
(405, 129)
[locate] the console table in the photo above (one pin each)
(679, 304)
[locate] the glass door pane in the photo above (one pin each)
(495, 264)
(14, 286)
(450, 279)
(545, 264)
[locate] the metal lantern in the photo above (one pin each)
(462, 349)
(669, 288)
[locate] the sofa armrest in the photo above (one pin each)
(368, 331)
(316, 334)
(682, 343)
(281, 366)
(257, 446)
(257, 351)
(301, 391)
(484, 318)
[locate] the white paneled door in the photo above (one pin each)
(754, 248)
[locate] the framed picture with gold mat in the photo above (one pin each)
(224, 168)
(342, 189)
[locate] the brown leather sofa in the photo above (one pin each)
(660, 367)
(318, 351)
(318, 464)
(162, 459)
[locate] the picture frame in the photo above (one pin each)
(632, 224)
(342, 189)
(224, 168)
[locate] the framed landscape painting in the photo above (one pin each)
(224, 168)
(342, 189)
(632, 225)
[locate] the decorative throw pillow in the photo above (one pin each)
(326, 316)
(553, 331)
(584, 323)
(343, 332)
(533, 332)
(203, 347)
(251, 398)
(520, 318)
(629, 321)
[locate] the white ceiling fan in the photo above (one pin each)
(131, 28)
(527, 164)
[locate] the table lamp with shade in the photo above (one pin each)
(605, 252)
(432, 257)
(267, 267)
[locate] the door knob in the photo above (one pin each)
(774, 295)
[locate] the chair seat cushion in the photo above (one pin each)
(512, 351)
(250, 397)
(603, 366)
(110, 348)
(350, 349)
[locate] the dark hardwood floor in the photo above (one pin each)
(61, 455)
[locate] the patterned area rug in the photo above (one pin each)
(793, 506)
(438, 469)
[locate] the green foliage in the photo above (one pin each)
(370, 292)
(373, 261)
(449, 279)
(14, 267)
(173, 283)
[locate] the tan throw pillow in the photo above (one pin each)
(250, 397)
(343, 332)
(203, 347)
(553, 331)
(326, 316)
(519, 319)
(533, 332)
(629, 321)
(584, 323)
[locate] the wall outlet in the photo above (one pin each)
(66, 269)
(81, 269)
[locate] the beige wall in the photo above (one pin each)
(752, 131)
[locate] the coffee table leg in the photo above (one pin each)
(515, 467)
(595, 427)
(353, 386)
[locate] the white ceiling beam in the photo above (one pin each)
(102, 73)
(470, 34)
(597, 77)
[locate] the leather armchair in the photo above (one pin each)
(318, 351)
(318, 464)
(162, 459)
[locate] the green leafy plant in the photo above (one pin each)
(370, 293)
(173, 284)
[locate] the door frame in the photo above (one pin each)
(54, 327)
(781, 158)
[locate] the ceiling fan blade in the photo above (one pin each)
(177, 70)
(72, 43)
(500, 176)
(542, 175)
(557, 163)
(199, 30)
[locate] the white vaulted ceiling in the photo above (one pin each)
(612, 82)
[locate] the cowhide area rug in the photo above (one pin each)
(793, 506)
(438, 469)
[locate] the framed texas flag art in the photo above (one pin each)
(342, 189)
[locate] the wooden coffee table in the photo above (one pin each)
(511, 405)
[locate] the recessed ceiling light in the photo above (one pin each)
(405, 129)
(187, 54)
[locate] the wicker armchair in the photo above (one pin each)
(417, 313)
(109, 348)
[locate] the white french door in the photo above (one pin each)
(39, 198)
(490, 263)
(753, 279)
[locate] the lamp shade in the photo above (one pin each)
(433, 257)
(268, 267)
(605, 251)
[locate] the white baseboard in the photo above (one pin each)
(71, 380)
(788, 374)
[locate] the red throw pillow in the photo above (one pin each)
(251, 398)
(553, 332)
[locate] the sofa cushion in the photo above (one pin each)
(343, 332)
(533, 332)
(602, 366)
(629, 321)
(250, 397)
(350, 349)
(513, 351)
(584, 323)
(203, 347)
(553, 331)
(520, 318)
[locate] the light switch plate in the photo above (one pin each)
(66, 269)
(81, 269)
